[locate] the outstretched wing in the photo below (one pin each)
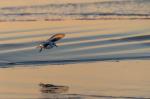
(56, 37)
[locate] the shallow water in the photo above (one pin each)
(85, 41)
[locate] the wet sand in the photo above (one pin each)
(104, 79)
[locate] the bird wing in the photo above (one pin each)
(56, 37)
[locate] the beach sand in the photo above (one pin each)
(100, 40)
(116, 79)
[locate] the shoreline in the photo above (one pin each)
(82, 19)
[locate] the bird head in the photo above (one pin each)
(40, 46)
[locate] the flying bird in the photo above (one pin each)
(51, 42)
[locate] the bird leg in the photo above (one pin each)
(40, 49)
